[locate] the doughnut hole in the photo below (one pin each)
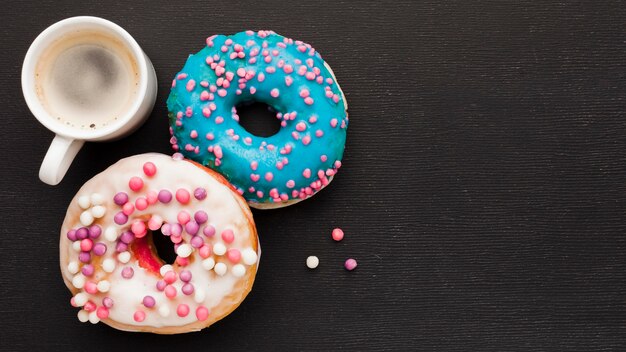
(258, 118)
(153, 250)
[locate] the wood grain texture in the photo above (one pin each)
(483, 191)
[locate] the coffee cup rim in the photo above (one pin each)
(38, 46)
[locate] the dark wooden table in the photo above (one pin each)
(483, 191)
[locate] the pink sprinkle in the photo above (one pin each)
(139, 316)
(206, 112)
(219, 120)
(259, 194)
(291, 184)
(152, 197)
(102, 313)
(279, 165)
(260, 77)
(333, 123)
(181, 76)
(204, 95)
(217, 150)
(183, 216)
(319, 133)
(210, 136)
(205, 251)
(308, 101)
(170, 291)
(234, 255)
(91, 287)
(301, 126)
(301, 48)
(193, 134)
(288, 81)
(138, 228)
(255, 177)
(241, 72)
(252, 90)
(310, 76)
(149, 169)
(155, 222)
(182, 310)
(86, 245)
(337, 234)
(228, 236)
(313, 119)
(304, 93)
(323, 158)
(90, 306)
(141, 203)
(219, 70)
(306, 140)
(221, 92)
(270, 69)
(135, 183)
(274, 93)
(350, 264)
(204, 84)
(306, 173)
(182, 196)
(191, 84)
(288, 69)
(254, 165)
(269, 176)
(128, 208)
(202, 313)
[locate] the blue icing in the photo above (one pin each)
(205, 128)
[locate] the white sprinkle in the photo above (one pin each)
(238, 270)
(80, 299)
(312, 262)
(124, 257)
(103, 286)
(219, 248)
(110, 234)
(208, 263)
(83, 316)
(84, 202)
(199, 295)
(98, 211)
(86, 218)
(184, 250)
(72, 267)
(93, 317)
(108, 265)
(220, 269)
(78, 281)
(76, 246)
(165, 268)
(249, 256)
(96, 199)
(164, 311)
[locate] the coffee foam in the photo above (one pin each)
(87, 79)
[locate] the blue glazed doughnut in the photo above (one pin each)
(289, 76)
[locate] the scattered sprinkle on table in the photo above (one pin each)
(337, 234)
(312, 262)
(350, 264)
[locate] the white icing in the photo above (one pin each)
(213, 278)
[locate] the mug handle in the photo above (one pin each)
(58, 159)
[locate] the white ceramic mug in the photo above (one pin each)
(68, 139)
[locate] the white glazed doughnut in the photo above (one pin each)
(109, 262)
